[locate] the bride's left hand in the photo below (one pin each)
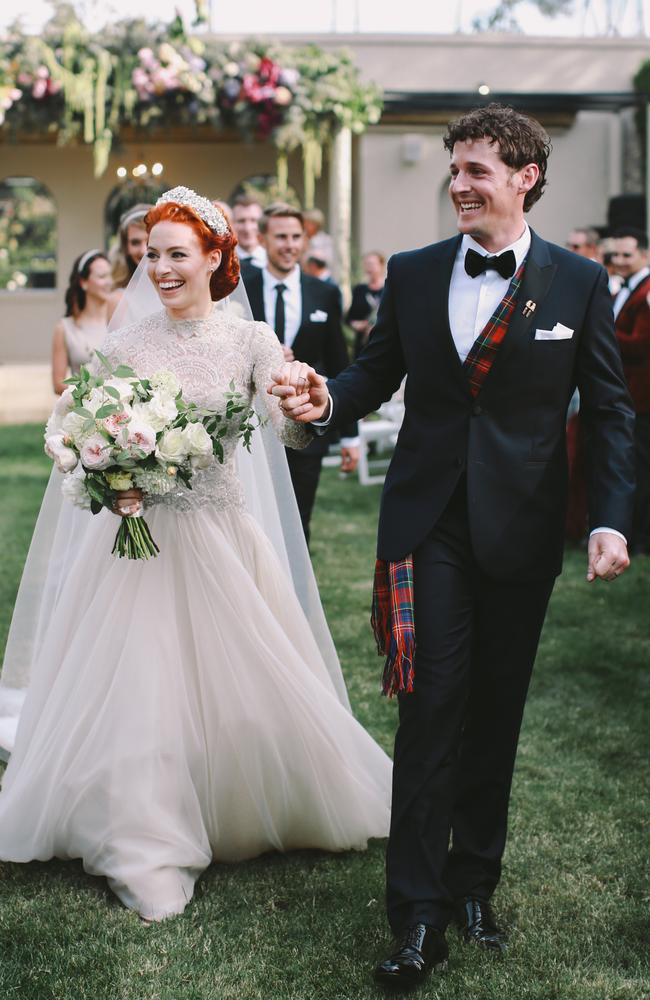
(128, 502)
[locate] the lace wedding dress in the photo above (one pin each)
(179, 709)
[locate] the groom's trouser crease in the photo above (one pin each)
(457, 738)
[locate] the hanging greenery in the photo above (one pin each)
(88, 87)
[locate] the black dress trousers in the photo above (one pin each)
(458, 730)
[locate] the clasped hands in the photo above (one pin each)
(304, 398)
(302, 392)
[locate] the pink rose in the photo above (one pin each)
(138, 438)
(96, 453)
(63, 457)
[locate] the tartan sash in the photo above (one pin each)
(393, 601)
(483, 351)
(393, 622)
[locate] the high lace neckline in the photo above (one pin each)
(188, 327)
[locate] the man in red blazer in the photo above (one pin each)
(632, 318)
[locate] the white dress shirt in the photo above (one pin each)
(472, 301)
(627, 290)
(292, 302)
(257, 257)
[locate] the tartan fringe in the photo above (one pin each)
(393, 623)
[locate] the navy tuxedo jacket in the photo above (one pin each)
(320, 342)
(510, 440)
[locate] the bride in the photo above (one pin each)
(189, 708)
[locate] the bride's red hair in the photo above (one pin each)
(225, 279)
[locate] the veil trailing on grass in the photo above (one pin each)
(269, 498)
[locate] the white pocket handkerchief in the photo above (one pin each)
(318, 316)
(559, 332)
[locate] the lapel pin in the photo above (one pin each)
(529, 308)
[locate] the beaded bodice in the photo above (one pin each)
(207, 355)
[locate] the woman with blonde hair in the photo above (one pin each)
(131, 249)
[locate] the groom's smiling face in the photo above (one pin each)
(487, 194)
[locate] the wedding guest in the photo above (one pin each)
(494, 329)
(81, 331)
(632, 319)
(584, 241)
(246, 212)
(225, 210)
(607, 249)
(131, 249)
(318, 267)
(306, 316)
(318, 243)
(362, 313)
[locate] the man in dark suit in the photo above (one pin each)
(306, 316)
(494, 330)
(632, 319)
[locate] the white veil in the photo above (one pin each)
(269, 499)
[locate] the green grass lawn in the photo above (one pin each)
(574, 895)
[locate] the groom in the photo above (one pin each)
(494, 329)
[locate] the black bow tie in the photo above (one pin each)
(504, 263)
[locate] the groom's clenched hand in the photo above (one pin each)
(607, 555)
(302, 391)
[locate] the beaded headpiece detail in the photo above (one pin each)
(201, 206)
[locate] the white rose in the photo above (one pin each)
(158, 412)
(138, 437)
(165, 383)
(72, 428)
(63, 457)
(96, 398)
(124, 388)
(172, 447)
(63, 405)
(199, 445)
(96, 453)
(74, 489)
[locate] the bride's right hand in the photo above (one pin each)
(302, 391)
(127, 502)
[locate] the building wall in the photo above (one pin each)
(405, 204)
(27, 317)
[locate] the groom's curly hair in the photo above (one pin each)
(520, 140)
(225, 279)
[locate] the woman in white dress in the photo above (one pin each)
(79, 333)
(180, 710)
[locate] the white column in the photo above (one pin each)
(340, 208)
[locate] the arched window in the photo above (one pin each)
(27, 235)
(123, 196)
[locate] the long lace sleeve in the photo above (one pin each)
(268, 358)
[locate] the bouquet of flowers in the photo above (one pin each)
(119, 432)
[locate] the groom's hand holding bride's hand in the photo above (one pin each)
(302, 392)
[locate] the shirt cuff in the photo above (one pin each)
(325, 421)
(612, 531)
(353, 442)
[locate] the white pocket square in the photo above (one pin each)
(559, 332)
(318, 316)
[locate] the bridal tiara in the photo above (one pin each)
(201, 206)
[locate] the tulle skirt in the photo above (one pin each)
(180, 712)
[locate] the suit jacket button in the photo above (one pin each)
(477, 409)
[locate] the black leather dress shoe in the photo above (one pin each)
(420, 950)
(477, 922)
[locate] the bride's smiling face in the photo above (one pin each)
(181, 269)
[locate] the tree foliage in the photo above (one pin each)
(503, 17)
